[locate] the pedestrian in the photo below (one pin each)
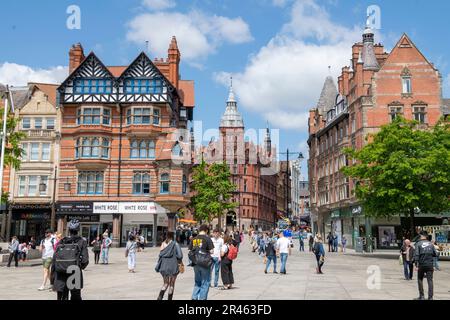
(335, 242)
(262, 245)
(407, 252)
(170, 264)
(71, 253)
(47, 249)
(424, 259)
(96, 248)
(32, 243)
(301, 241)
(229, 253)
(283, 250)
(344, 243)
(130, 253)
(319, 252)
(237, 238)
(200, 250)
(218, 243)
(271, 256)
(13, 248)
(311, 242)
(330, 241)
(106, 244)
(436, 259)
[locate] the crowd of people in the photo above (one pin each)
(210, 254)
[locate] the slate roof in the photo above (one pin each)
(328, 95)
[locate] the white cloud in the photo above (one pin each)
(198, 34)
(280, 3)
(284, 79)
(19, 75)
(159, 4)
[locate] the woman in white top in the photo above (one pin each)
(131, 253)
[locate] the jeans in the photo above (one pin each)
(105, 255)
(283, 257)
(131, 260)
(428, 272)
(202, 282)
(408, 268)
(14, 255)
(302, 246)
(96, 256)
(216, 268)
(269, 259)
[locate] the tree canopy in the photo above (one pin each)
(403, 170)
(212, 191)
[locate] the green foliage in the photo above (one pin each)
(13, 150)
(212, 191)
(403, 168)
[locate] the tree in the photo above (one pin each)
(13, 150)
(212, 191)
(403, 170)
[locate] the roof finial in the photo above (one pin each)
(329, 70)
(146, 46)
(231, 93)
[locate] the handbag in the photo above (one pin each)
(203, 259)
(400, 260)
(322, 259)
(181, 267)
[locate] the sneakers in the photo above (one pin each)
(420, 298)
(275, 272)
(41, 288)
(265, 271)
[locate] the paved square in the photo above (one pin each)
(345, 278)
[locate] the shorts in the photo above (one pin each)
(47, 263)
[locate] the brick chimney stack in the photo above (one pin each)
(174, 62)
(76, 56)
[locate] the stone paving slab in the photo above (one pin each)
(345, 277)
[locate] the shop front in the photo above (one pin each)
(29, 220)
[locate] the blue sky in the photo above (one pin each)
(278, 51)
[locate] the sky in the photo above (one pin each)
(277, 51)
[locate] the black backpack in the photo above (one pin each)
(67, 254)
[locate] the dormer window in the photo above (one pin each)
(143, 86)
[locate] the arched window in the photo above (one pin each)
(151, 150)
(164, 183)
(95, 147)
(86, 148)
(143, 149)
(141, 183)
(134, 149)
(184, 184)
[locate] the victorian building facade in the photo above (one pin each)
(252, 168)
(124, 163)
(374, 89)
(32, 192)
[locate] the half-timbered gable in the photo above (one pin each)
(91, 82)
(143, 82)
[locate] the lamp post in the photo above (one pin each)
(288, 176)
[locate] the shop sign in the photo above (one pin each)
(83, 218)
(31, 216)
(124, 207)
(356, 211)
(74, 207)
(335, 214)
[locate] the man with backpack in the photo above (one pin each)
(271, 255)
(70, 258)
(424, 254)
(47, 248)
(200, 249)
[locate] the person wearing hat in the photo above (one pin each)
(66, 278)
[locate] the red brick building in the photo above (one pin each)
(373, 90)
(251, 167)
(124, 164)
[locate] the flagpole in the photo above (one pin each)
(2, 157)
